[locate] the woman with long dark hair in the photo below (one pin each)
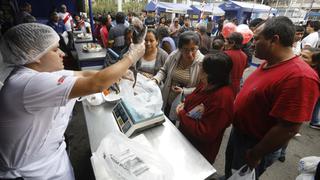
(153, 58)
(208, 111)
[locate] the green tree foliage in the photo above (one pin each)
(105, 6)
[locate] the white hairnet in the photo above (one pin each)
(24, 44)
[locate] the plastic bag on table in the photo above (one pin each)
(244, 173)
(146, 99)
(93, 99)
(125, 159)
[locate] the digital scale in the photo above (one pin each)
(130, 124)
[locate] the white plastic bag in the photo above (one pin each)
(125, 159)
(93, 99)
(305, 176)
(308, 164)
(145, 100)
(244, 173)
(172, 114)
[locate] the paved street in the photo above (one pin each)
(306, 145)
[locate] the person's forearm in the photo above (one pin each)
(275, 138)
(111, 74)
(100, 80)
(85, 73)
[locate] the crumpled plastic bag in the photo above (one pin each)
(145, 100)
(126, 159)
(308, 164)
(93, 99)
(305, 176)
(244, 173)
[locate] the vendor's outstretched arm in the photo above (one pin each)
(103, 79)
(85, 73)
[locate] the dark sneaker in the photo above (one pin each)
(315, 126)
(282, 158)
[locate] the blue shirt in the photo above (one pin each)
(59, 27)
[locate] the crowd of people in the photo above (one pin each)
(266, 88)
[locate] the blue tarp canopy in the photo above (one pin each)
(312, 14)
(208, 8)
(246, 7)
(168, 7)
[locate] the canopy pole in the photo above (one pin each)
(173, 14)
(310, 8)
(91, 19)
(119, 5)
(285, 13)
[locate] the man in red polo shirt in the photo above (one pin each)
(274, 101)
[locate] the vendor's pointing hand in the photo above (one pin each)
(135, 52)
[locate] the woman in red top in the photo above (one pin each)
(208, 111)
(233, 45)
(104, 33)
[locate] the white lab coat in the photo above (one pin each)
(34, 114)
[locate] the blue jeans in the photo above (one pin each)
(283, 151)
(316, 114)
(237, 146)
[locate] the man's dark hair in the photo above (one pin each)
(120, 17)
(299, 28)
(24, 5)
(315, 25)
(255, 22)
(154, 32)
(187, 37)
(217, 44)
(281, 26)
(104, 20)
(235, 38)
(162, 32)
(130, 13)
(218, 67)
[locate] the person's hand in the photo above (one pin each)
(176, 89)
(179, 108)
(147, 75)
(155, 80)
(135, 52)
(253, 160)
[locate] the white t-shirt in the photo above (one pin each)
(67, 20)
(296, 48)
(311, 40)
(34, 114)
(147, 66)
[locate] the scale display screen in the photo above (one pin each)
(130, 124)
(122, 118)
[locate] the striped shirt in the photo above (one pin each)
(180, 77)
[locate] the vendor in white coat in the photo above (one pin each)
(37, 97)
